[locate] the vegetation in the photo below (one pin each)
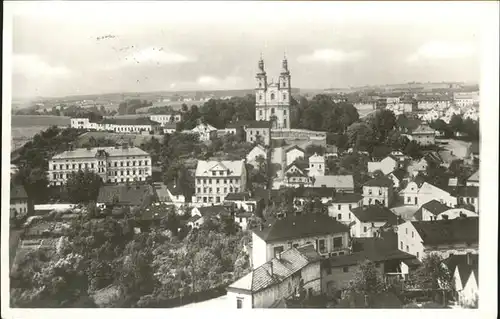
(83, 186)
(131, 106)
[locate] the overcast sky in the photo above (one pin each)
(197, 46)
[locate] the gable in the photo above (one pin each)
(218, 167)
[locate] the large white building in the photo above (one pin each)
(465, 99)
(117, 125)
(166, 118)
(216, 179)
(273, 99)
(112, 164)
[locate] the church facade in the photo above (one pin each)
(273, 98)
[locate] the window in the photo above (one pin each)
(214, 173)
(407, 248)
(406, 231)
(364, 229)
(408, 199)
(339, 207)
(260, 112)
(418, 254)
(412, 234)
(350, 206)
(328, 270)
(295, 245)
(337, 242)
(277, 250)
(284, 112)
(272, 110)
(290, 244)
(284, 96)
(345, 269)
(217, 181)
(260, 96)
(55, 176)
(401, 245)
(218, 190)
(322, 246)
(272, 96)
(349, 216)
(239, 303)
(145, 162)
(339, 216)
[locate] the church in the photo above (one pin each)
(273, 99)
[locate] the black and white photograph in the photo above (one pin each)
(245, 155)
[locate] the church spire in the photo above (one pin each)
(284, 65)
(261, 65)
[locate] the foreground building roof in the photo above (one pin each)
(93, 152)
(458, 230)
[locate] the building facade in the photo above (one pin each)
(19, 203)
(273, 99)
(378, 190)
(216, 179)
(166, 118)
(112, 164)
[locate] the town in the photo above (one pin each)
(365, 199)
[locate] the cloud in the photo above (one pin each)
(33, 66)
(207, 81)
(442, 50)
(155, 55)
(331, 56)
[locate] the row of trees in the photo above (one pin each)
(457, 126)
(131, 106)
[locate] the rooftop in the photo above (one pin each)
(233, 168)
(277, 270)
(18, 192)
(474, 177)
(212, 211)
(129, 121)
(452, 231)
(375, 213)
(372, 255)
(334, 181)
(435, 207)
(300, 226)
(381, 181)
(133, 195)
(238, 196)
(250, 124)
(341, 197)
(423, 129)
(93, 152)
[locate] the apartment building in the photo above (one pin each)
(378, 190)
(117, 125)
(216, 179)
(113, 164)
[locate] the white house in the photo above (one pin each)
(387, 165)
(378, 190)
(434, 210)
(452, 110)
(465, 271)
(256, 152)
(325, 233)
(471, 113)
(206, 131)
(397, 176)
(295, 271)
(367, 220)
(316, 165)
(294, 153)
(176, 195)
(341, 205)
(431, 115)
(414, 195)
(444, 237)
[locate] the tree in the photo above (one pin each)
(433, 274)
(413, 150)
(360, 136)
(367, 280)
(83, 186)
(382, 123)
(456, 124)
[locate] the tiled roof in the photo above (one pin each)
(18, 192)
(423, 129)
(375, 213)
(458, 230)
(212, 211)
(381, 181)
(375, 256)
(311, 192)
(299, 164)
(399, 173)
(204, 167)
(126, 195)
(300, 226)
(111, 152)
(174, 189)
(276, 270)
(465, 191)
(334, 181)
(341, 197)
(238, 196)
(294, 147)
(161, 192)
(435, 207)
(454, 260)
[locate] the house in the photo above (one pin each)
(195, 221)
(415, 195)
(258, 131)
(471, 113)
(433, 102)
(416, 167)
(19, 202)
(243, 201)
(452, 110)
(466, 195)
(342, 183)
(473, 180)
(316, 165)
(338, 271)
(326, 234)
(367, 220)
(296, 174)
(254, 154)
(465, 272)
(294, 153)
(216, 179)
(176, 195)
(199, 215)
(303, 194)
(397, 176)
(169, 128)
(387, 165)
(431, 115)
(242, 218)
(295, 271)
(205, 131)
(465, 99)
(126, 195)
(430, 210)
(424, 135)
(378, 190)
(342, 204)
(331, 151)
(444, 237)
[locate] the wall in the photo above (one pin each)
(266, 297)
(259, 251)
(382, 194)
(338, 279)
(409, 240)
(311, 276)
(429, 192)
(425, 139)
(233, 295)
(20, 205)
(292, 155)
(469, 294)
(358, 229)
(345, 212)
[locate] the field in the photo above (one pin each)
(136, 139)
(24, 127)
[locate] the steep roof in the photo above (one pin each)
(126, 195)
(435, 207)
(399, 173)
(299, 164)
(474, 177)
(465, 191)
(375, 213)
(458, 230)
(111, 151)
(18, 192)
(277, 270)
(381, 181)
(250, 124)
(174, 189)
(334, 181)
(423, 129)
(300, 226)
(204, 168)
(454, 260)
(294, 147)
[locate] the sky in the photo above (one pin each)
(71, 48)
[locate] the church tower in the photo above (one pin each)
(273, 99)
